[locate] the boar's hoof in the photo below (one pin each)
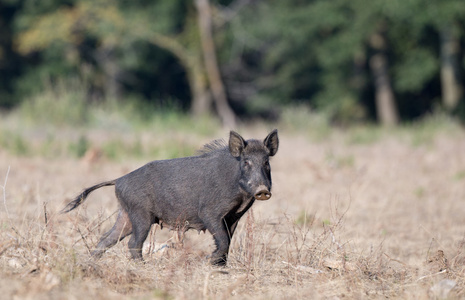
(218, 261)
(263, 195)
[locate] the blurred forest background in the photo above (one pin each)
(356, 61)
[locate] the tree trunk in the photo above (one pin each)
(450, 78)
(386, 108)
(201, 100)
(111, 69)
(225, 112)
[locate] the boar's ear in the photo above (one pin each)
(236, 144)
(271, 142)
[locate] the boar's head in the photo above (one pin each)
(253, 156)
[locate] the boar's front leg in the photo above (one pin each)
(220, 255)
(231, 224)
(217, 228)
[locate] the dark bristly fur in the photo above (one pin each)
(210, 191)
(212, 146)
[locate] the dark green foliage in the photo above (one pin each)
(271, 53)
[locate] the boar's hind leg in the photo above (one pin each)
(141, 224)
(119, 231)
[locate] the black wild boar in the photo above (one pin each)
(210, 191)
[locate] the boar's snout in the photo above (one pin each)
(263, 193)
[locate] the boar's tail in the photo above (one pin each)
(79, 199)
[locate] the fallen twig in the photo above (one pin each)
(431, 275)
(4, 193)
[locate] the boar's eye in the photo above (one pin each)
(267, 164)
(246, 163)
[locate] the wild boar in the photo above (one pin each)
(210, 191)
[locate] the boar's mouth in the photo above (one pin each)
(263, 195)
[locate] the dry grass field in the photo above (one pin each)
(355, 214)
